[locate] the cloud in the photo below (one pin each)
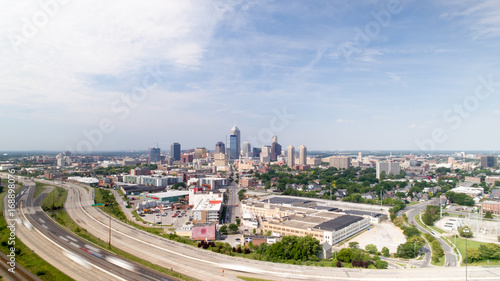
(414, 126)
(90, 53)
(344, 121)
(479, 17)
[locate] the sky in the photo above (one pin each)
(330, 75)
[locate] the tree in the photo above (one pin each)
(473, 255)
(345, 255)
(488, 215)
(370, 248)
(354, 245)
(254, 231)
(233, 227)
(465, 231)
(411, 231)
(223, 229)
(380, 264)
(385, 252)
(238, 222)
(407, 250)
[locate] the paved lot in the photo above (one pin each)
(381, 235)
(167, 218)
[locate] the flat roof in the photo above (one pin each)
(170, 193)
(142, 188)
(362, 213)
(325, 208)
(338, 223)
(285, 200)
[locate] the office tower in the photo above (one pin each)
(233, 147)
(154, 155)
(360, 156)
(220, 147)
(256, 152)
(302, 155)
(275, 148)
(340, 162)
(489, 161)
(200, 152)
(246, 150)
(265, 155)
(175, 151)
(236, 132)
(290, 156)
(387, 167)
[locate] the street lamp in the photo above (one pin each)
(466, 230)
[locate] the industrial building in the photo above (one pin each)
(170, 196)
(292, 216)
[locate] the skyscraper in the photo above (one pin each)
(290, 156)
(275, 148)
(265, 155)
(302, 155)
(387, 167)
(154, 155)
(489, 161)
(233, 147)
(246, 150)
(236, 132)
(175, 151)
(220, 147)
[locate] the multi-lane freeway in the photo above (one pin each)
(206, 265)
(77, 258)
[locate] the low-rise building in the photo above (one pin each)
(492, 206)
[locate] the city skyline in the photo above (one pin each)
(386, 75)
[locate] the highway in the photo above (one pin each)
(77, 258)
(206, 265)
(450, 257)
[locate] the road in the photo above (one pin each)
(450, 257)
(206, 265)
(233, 202)
(77, 258)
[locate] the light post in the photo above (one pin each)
(466, 230)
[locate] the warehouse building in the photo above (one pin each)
(170, 196)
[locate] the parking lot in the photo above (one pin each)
(168, 218)
(384, 234)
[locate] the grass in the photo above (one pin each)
(25, 256)
(65, 220)
(475, 245)
(418, 219)
(55, 199)
(251, 278)
(39, 189)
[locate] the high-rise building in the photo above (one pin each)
(290, 156)
(246, 150)
(200, 152)
(302, 155)
(489, 161)
(236, 132)
(265, 155)
(233, 147)
(220, 147)
(154, 155)
(340, 162)
(175, 151)
(256, 152)
(388, 167)
(275, 148)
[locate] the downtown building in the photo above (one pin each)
(175, 151)
(387, 167)
(154, 155)
(488, 161)
(340, 162)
